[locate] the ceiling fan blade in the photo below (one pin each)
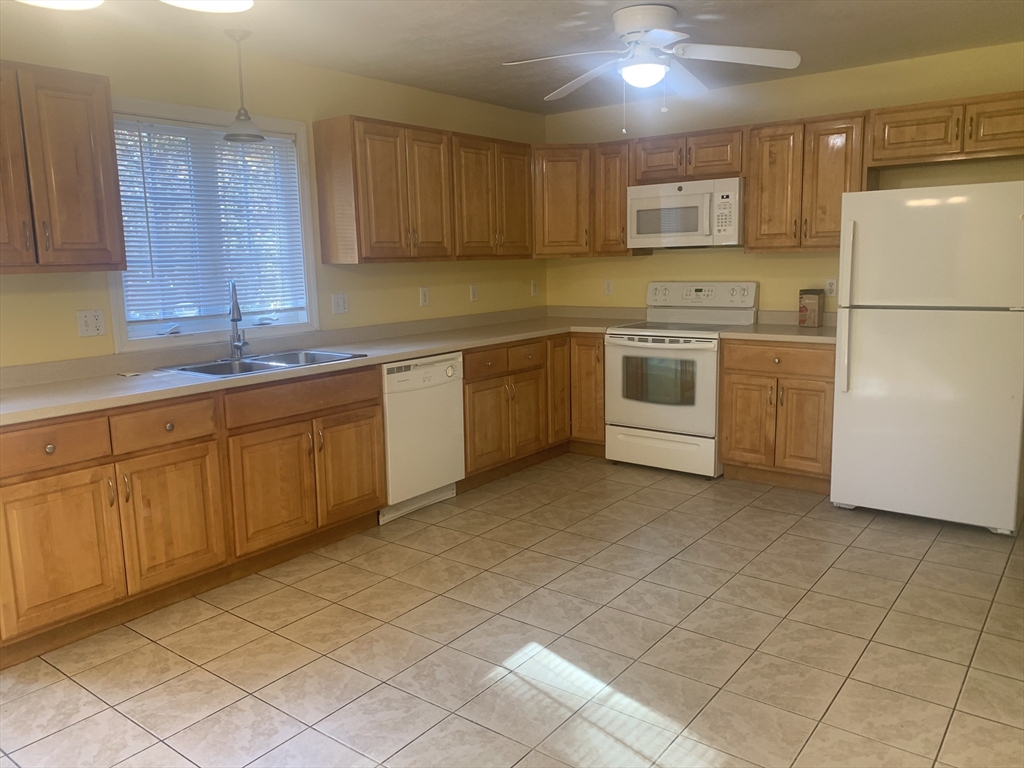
(560, 56)
(759, 57)
(583, 79)
(661, 38)
(682, 81)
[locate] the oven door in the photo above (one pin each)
(668, 220)
(666, 384)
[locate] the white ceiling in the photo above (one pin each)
(457, 46)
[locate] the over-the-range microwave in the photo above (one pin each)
(687, 214)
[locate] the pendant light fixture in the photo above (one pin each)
(242, 128)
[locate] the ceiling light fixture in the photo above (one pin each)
(242, 128)
(212, 6)
(64, 5)
(643, 74)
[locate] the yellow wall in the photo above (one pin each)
(964, 73)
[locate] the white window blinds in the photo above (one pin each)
(199, 211)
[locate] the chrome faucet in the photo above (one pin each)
(238, 342)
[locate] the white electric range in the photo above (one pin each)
(661, 376)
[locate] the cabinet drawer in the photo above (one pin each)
(526, 356)
(163, 425)
(279, 401)
(30, 450)
(489, 362)
(802, 360)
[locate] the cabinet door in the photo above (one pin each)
(515, 200)
(16, 241)
(273, 488)
(804, 433)
(562, 196)
(172, 515)
(715, 154)
(382, 191)
(995, 125)
(430, 193)
(350, 465)
(476, 226)
(587, 376)
(659, 158)
(69, 141)
(529, 412)
(60, 549)
(773, 189)
(611, 177)
(747, 428)
(488, 442)
(899, 134)
(832, 166)
(559, 419)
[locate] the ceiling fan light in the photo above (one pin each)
(64, 5)
(644, 74)
(212, 6)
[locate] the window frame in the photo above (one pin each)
(140, 109)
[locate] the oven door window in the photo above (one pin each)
(659, 381)
(680, 220)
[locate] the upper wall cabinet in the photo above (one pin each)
(699, 155)
(610, 179)
(61, 207)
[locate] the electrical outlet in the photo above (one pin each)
(831, 287)
(339, 303)
(472, 293)
(608, 286)
(534, 288)
(424, 297)
(90, 323)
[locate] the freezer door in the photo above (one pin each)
(928, 413)
(959, 246)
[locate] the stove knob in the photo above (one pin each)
(733, 292)
(744, 292)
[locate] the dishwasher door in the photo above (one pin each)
(423, 425)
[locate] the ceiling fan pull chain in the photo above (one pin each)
(623, 106)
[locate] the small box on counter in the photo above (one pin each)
(812, 307)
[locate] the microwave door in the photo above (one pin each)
(676, 220)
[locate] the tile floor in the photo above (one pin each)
(577, 613)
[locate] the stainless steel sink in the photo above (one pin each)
(262, 363)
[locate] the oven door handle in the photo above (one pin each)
(702, 345)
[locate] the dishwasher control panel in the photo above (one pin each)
(419, 374)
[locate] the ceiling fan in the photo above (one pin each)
(653, 50)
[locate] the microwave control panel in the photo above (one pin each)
(725, 218)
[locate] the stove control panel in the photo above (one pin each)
(711, 295)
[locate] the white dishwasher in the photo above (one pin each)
(423, 432)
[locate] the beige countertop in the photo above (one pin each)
(45, 401)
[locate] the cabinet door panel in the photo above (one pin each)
(773, 190)
(716, 154)
(69, 142)
(995, 125)
(562, 195)
(529, 412)
(172, 517)
(898, 134)
(804, 434)
(488, 442)
(659, 158)
(476, 227)
(611, 177)
(60, 549)
(832, 166)
(515, 200)
(382, 191)
(747, 429)
(350, 465)
(273, 489)
(430, 193)
(559, 418)
(16, 241)
(587, 401)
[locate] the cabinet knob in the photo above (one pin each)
(529, 357)
(169, 426)
(489, 363)
(776, 361)
(50, 448)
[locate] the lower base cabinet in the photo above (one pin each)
(587, 375)
(559, 416)
(803, 434)
(529, 412)
(487, 406)
(350, 465)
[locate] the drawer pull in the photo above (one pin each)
(50, 449)
(127, 489)
(529, 357)
(776, 361)
(490, 363)
(771, 395)
(46, 232)
(169, 426)
(110, 492)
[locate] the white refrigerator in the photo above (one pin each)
(930, 353)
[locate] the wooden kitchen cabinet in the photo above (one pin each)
(659, 159)
(562, 198)
(714, 154)
(528, 414)
(747, 433)
(515, 199)
(172, 515)
(995, 126)
(273, 485)
(558, 366)
(587, 399)
(832, 160)
(773, 187)
(60, 549)
(803, 438)
(611, 178)
(17, 246)
(430, 193)
(488, 427)
(382, 191)
(350, 464)
(902, 132)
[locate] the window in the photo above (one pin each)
(199, 211)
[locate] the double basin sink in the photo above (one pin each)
(262, 363)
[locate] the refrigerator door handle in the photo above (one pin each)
(843, 350)
(846, 264)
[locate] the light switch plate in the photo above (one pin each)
(91, 323)
(472, 293)
(534, 288)
(608, 286)
(424, 297)
(831, 286)
(339, 303)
